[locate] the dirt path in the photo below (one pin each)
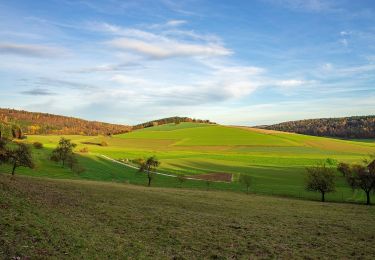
(159, 173)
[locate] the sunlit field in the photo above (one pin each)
(275, 160)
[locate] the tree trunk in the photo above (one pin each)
(323, 199)
(14, 168)
(149, 179)
(367, 197)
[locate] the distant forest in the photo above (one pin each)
(16, 123)
(344, 127)
(169, 120)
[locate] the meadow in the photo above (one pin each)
(75, 219)
(275, 160)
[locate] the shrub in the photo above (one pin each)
(84, 150)
(103, 143)
(38, 145)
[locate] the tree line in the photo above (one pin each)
(169, 120)
(31, 123)
(344, 127)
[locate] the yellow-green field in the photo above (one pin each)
(275, 160)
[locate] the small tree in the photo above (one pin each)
(246, 180)
(320, 178)
(63, 151)
(21, 156)
(344, 168)
(181, 179)
(149, 166)
(74, 165)
(362, 177)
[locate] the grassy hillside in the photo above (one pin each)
(43, 218)
(275, 160)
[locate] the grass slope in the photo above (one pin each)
(69, 219)
(275, 160)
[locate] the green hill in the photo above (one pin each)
(62, 219)
(275, 160)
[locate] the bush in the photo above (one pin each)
(84, 150)
(103, 143)
(38, 145)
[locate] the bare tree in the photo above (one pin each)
(320, 178)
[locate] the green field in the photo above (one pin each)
(70, 219)
(275, 160)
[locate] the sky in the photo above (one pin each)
(243, 62)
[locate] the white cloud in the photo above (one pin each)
(165, 48)
(175, 22)
(291, 83)
(164, 44)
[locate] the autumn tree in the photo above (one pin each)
(21, 156)
(3, 151)
(149, 166)
(362, 177)
(63, 151)
(321, 179)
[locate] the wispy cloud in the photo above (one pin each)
(31, 50)
(306, 5)
(38, 92)
(163, 44)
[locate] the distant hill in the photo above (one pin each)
(15, 123)
(343, 127)
(169, 120)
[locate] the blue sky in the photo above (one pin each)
(233, 62)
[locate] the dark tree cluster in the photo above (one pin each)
(64, 153)
(345, 127)
(170, 120)
(360, 177)
(13, 123)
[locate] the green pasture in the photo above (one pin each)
(275, 160)
(77, 219)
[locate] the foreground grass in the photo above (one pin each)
(43, 218)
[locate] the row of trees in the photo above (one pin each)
(169, 120)
(19, 155)
(345, 127)
(43, 123)
(361, 177)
